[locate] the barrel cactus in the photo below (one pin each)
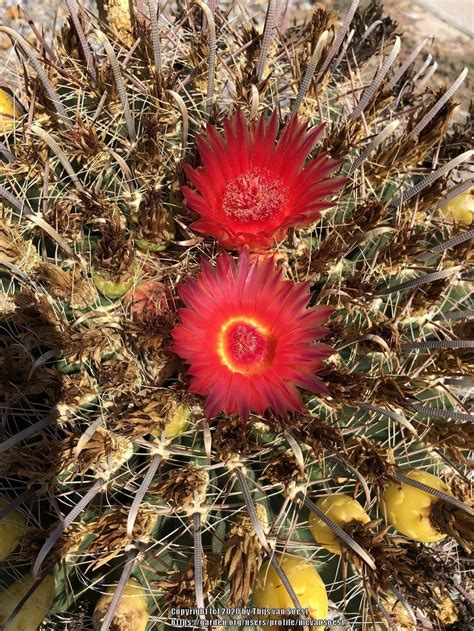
(235, 255)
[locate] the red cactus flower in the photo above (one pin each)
(251, 189)
(249, 338)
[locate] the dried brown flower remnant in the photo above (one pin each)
(420, 575)
(38, 463)
(283, 468)
(231, 439)
(455, 438)
(115, 254)
(90, 344)
(316, 433)
(243, 557)
(375, 463)
(455, 523)
(68, 285)
(103, 454)
(154, 223)
(110, 532)
(179, 588)
(150, 338)
(14, 248)
(409, 150)
(68, 543)
(152, 413)
(364, 45)
(184, 488)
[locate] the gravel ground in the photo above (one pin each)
(457, 13)
(44, 14)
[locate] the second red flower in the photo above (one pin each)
(252, 188)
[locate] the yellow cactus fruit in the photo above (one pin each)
(446, 612)
(177, 417)
(343, 510)
(33, 612)
(270, 593)
(10, 110)
(12, 527)
(409, 510)
(461, 208)
(131, 613)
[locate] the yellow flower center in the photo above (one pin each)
(244, 345)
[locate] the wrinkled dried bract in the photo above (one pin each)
(243, 556)
(182, 248)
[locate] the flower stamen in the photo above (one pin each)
(255, 195)
(245, 346)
